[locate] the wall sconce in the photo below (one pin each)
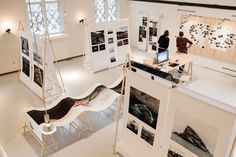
(8, 31)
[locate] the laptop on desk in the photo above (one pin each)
(162, 57)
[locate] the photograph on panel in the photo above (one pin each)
(94, 48)
(133, 125)
(26, 66)
(113, 59)
(144, 22)
(144, 107)
(110, 40)
(198, 137)
(110, 31)
(122, 33)
(97, 37)
(153, 24)
(142, 33)
(173, 154)
(102, 47)
(25, 46)
(119, 43)
(125, 41)
(37, 51)
(38, 76)
(148, 136)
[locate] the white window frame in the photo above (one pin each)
(106, 11)
(44, 13)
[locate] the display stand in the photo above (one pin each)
(143, 32)
(108, 44)
(152, 34)
(177, 107)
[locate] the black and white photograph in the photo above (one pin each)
(125, 41)
(97, 37)
(25, 46)
(173, 154)
(26, 66)
(153, 24)
(154, 47)
(133, 126)
(152, 31)
(144, 22)
(144, 107)
(109, 31)
(148, 136)
(110, 40)
(142, 32)
(102, 47)
(113, 59)
(94, 48)
(119, 43)
(122, 33)
(36, 55)
(38, 75)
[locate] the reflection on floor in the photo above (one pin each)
(14, 97)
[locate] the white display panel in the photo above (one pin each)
(108, 44)
(145, 140)
(152, 34)
(143, 32)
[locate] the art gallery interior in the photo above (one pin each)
(86, 78)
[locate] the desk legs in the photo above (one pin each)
(190, 70)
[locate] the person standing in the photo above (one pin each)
(182, 45)
(163, 41)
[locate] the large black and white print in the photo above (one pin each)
(38, 75)
(25, 46)
(144, 22)
(144, 107)
(122, 33)
(97, 37)
(148, 136)
(133, 126)
(26, 66)
(142, 33)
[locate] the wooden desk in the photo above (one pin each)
(178, 58)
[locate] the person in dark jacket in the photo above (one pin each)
(163, 41)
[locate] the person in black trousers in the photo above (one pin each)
(163, 41)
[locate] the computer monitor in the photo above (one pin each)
(162, 56)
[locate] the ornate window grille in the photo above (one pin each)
(43, 13)
(106, 10)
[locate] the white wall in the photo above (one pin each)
(11, 11)
(169, 19)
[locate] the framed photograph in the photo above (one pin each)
(125, 41)
(110, 40)
(144, 107)
(24, 46)
(38, 75)
(26, 66)
(144, 22)
(142, 32)
(154, 47)
(148, 136)
(119, 43)
(102, 47)
(152, 32)
(94, 48)
(110, 31)
(173, 154)
(122, 33)
(133, 126)
(97, 37)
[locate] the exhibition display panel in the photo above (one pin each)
(165, 120)
(108, 44)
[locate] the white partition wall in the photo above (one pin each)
(179, 110)
(108, 44)
(144, 116)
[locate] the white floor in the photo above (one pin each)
(14, 96)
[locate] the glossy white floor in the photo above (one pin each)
(14, 96)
